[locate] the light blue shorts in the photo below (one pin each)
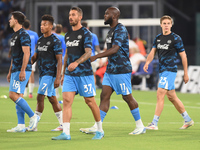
(16, 85)
(84, 85)
(46, 86)
(166, 80)
(120, 83)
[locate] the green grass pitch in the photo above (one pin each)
(117, 124)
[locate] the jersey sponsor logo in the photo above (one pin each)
(42, 48)
(165, 46)
(12, 43)
(73, 43)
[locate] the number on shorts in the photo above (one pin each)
(16, 84)
(88, 88)
(44, 86)
(163, 80)
(123, 86)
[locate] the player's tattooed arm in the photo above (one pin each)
(85, 56)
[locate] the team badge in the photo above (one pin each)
(169, 41)
(48, 43)
(79, 36)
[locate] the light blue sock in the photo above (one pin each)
(155, 120)
(102, 114)
(186, 117)
(20, 115)
(136, 114)
(24, 106)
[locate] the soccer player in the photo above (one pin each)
(48, 55)
(77, 74)
(34, 38)
(58, 30)
(168, 45)
(20, 71)
(118, 73)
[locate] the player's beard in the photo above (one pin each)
(74, 23)
(109, 21)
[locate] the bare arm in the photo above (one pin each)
(82, 59)
(9, 73)
(34, 58)
(149, 59)
(65, 65)
(26, 50)
(185, 66)
(114, 49)
(59, 67)
(97, 48)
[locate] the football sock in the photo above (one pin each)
(136, 114)
(20, 115)
(102, 114)
(59, 116)
(38, 113)
(31, 87)
(21, 125)
(66, 128)
(99, 126)
(155, 120)
(25, 92)
(186, 117)
(24, 106)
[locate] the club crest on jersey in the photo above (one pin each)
(48, 43)
(15, 37)
(169, 41)
(79, 37)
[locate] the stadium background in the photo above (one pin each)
(185, 14)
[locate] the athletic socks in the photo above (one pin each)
(186, 117)
(20, 115)
(99, 126)
(38, 113)
(136, 115)
(59, 116)
(155, 120)
(31, 87)
(24, 106)
(102, 114)
(66, 128)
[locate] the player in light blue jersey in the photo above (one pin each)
(118, 72)
(20, 71)
(34, 38)
(168, 45)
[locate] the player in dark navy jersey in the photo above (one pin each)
(77, 74)
(20, 71)
(118, 73)
(168, 45)
(48, 55)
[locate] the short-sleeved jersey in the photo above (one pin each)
(62, 39)
(95, 42)
(119, 62)
(168, 47)
(34, 38)
(47, 49)
(76, 42)
(19, 39)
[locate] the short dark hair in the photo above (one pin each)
(26, 24)
(48, 18)
(77, 9)
(84, 24)
(58, 28)
(19, 16)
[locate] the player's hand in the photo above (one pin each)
(93, 58)
(185, 78)
(8, 77)
(62, 79)
(22, 76)
(72, 66)
(145, 68)
(56, 83)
